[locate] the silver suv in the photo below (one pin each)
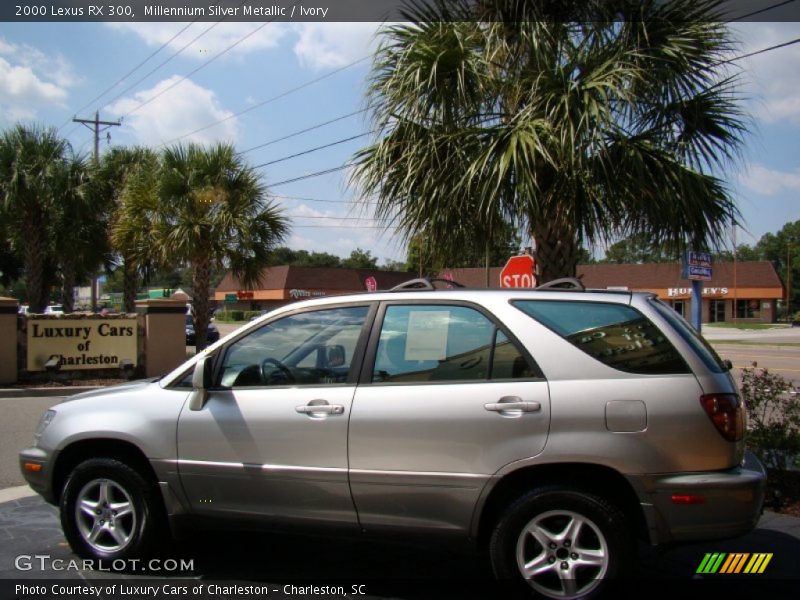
(553, 427)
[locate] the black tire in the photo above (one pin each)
(134, 535)
(550, 511)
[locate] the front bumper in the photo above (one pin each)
(732, 502)
(40, 480)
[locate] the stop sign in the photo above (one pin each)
(518, 272)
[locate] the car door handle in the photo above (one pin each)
(321, 409)
(519, 406)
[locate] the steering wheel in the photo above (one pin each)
(279, 374)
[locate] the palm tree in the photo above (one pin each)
(581, 123)
(125, 182)
(79, 222)
(30, 160)
(213, 212)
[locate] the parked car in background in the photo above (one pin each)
(554, 428)
(212, 333)
(54, 309)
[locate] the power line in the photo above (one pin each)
(310, 150)
(202, 66)
(762, 51)
(131, 72)
(161, 64)
(307, 199)
(306, 130)
(310, 175)
(332, 217)
(268, 100)
(762, 10)
(337, 142)
(346, 226)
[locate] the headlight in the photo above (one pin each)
(47, 417)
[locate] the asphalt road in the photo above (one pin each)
(402, 570)
(783, 360)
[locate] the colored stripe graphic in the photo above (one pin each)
(724, 563)
(734, 563)
(711, 562)
(758, 563)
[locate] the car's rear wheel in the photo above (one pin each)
(561, 543)
(108, 510)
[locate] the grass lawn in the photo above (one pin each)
(751, 343)
(746, 325)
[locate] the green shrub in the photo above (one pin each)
(230, 316)
(774, 416)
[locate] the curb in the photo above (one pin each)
(35, 392)
(15, 493)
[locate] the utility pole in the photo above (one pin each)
(98, 127)
(789, 282)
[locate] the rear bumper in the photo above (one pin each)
(727, 503)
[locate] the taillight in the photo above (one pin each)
(726, 413)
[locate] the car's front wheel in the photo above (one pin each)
(108, 510)
(561, 543)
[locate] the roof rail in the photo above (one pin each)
(562, 283)
(422, 283)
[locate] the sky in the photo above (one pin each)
(50, 72)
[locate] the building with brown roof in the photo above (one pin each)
(284, 284)
(742, 291)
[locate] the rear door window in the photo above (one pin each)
(615, 334)
(429, 343)
(698, 343)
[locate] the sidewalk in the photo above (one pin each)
(47, 391)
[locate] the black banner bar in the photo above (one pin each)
(325, 10)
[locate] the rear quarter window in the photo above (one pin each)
(617, 335)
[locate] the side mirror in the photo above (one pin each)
(728, 364)
(201, 382)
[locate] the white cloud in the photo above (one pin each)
(306, 211)
(184, 108)
(30, 81)
(772, 78)
(208, 44)
(770, 182)
(331, 45)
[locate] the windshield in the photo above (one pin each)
(698, 343)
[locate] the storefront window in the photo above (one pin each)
(748, 309)
(680, 307)
(716, 311)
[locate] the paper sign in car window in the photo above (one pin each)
(427, 335)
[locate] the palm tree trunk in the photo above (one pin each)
(201, 282)
(556, 252)
(34, 259)
(130, 283)
(67, 285)
(486, 262)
